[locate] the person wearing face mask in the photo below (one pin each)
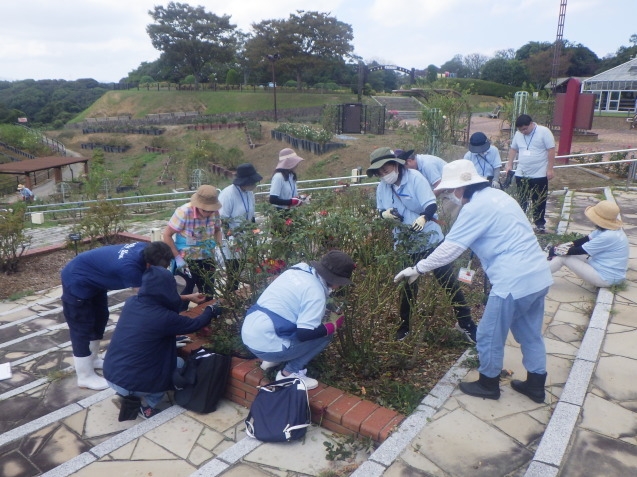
(287, 325)
(237, 210)
(492, 224)
(404, 196)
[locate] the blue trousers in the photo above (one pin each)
(86, 319)
(297, 355)
(524, 318)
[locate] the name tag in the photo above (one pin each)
(466, 275)
(526, 153)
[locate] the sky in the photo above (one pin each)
(107, 39)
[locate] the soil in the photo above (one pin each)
(35, 274)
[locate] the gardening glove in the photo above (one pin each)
(410, 274)
(496, 184)
(335, 322)
(563, 248)
(215, 310)
(180, 264)
(305, 198)
(390, 214)
(295, 202)
(419, 223)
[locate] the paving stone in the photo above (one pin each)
(520, 427)
(554, 346)
(622, 343)
(227, 415)
(565, 332)
(612, 374)
(607, 418)
(210, 439)
(596, 455)
(199, 455)
(445, 444)
(146, 449)
(414, 464)
(179, 435)
(173, 468)
(557, 368)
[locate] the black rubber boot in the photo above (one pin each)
(130, 408)
(533, 387)
(485, 387)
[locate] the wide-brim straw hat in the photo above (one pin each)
(20, 186)
(206, 198)
(335, 267)
(288, 159)
(605, 215)
(379, 157)
(246, 175)
(459, 173)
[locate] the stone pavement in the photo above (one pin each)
(586, 427)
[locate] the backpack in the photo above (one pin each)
(280, 411)
(201, 382)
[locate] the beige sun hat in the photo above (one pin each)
(604, 214)
(459, 173)
(288, 159)
(206, 198)
(20, 186)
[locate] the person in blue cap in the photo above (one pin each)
(485, 158)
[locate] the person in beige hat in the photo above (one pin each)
(601, 257)
(25, 193)
(492, 224)
(192, 233)
(283, 192)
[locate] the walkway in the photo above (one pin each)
(586, 427)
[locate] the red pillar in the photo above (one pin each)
(568, 118)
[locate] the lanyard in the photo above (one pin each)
(245, 204)
(483, 166)
(530, 139)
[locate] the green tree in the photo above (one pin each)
(232, 77)
(474, 62)
(500, 70)
(455, 66)
(431, 73)
(190, 37)
(306, 41)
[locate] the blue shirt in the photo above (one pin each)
(113, 267)
(485, 162)
(493, 225)
(608, 250)
(410, 199)
(236, 205)
(298, 296)
(282, 188)
(430, 167)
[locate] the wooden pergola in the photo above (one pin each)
(29, 167)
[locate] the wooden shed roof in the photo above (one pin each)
(39, 164)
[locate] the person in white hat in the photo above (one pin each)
(494, 227)
(283, 192)
(601, 257)
(192, 233)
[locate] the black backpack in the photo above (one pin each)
(280, 412)
(201, 383)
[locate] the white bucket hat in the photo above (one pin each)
(459, 173)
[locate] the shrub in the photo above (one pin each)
(13, 242)
(102, 222)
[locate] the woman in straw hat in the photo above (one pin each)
(600, 258)
(496, 229)
(283, 191)
(192, 233)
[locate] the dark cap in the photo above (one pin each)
(246, 175)
(479, 143)
(335, 267)
(401, 154)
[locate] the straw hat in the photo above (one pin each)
(459, 173)
(206, 198)
(604, 214)
(20, 186)
(288, 159)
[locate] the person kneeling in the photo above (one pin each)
(142, 354)
(285, 323)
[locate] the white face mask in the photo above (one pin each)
(390, 178)
(455, 199)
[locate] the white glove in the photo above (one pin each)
(563, 248)
(180, 262)
(387, 214)
(495, 184)
(411, 274)
(419, 223)
(305, 198)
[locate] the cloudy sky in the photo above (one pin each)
(106, 39)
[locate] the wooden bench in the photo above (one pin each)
(495, 113)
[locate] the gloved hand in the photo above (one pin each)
(496, 184)
(335, 322)
(295, 202)
(390, 214)
(411, 274)
(305, 198)
(216, 310)
(562, 249)
(419, 223)
(180, 262)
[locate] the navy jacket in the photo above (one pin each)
(142, 354)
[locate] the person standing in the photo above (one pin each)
(534, 146)
(285, 325)
(485, 158)
(601, 257)
(85, 282)
(142, 354)
(237, 210)
(283, 192)
(403, 196)
(192, 233)
(492, 224)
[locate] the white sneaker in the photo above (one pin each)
(265, 365)
(310, 383)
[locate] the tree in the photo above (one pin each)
(432, 73)
(455, 66)
(532, 48)
(305, 41)
(190, 37)
(633, 39)
(508, 54)
(509, 72)
(474, 63)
